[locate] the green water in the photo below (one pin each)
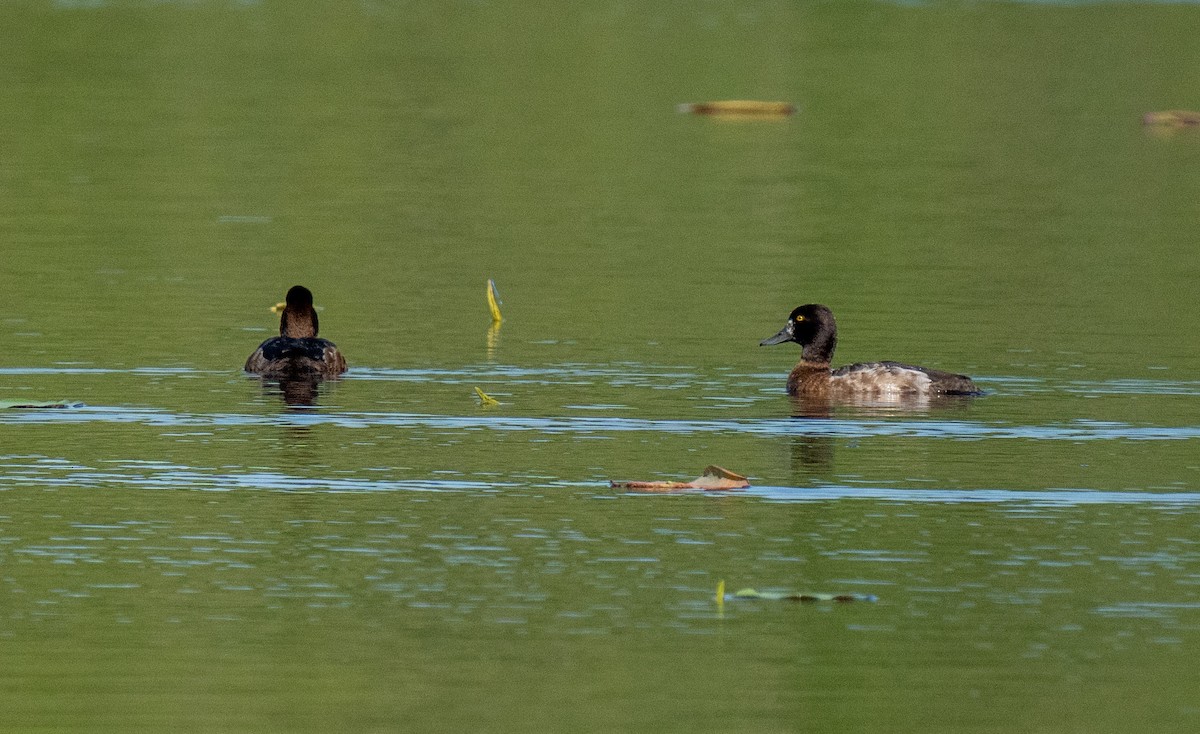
(966, 185)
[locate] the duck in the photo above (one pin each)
(297, 351)
(812, 326)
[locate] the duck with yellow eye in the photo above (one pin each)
(297, 351)
(813, 328)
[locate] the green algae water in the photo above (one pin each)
(966, 185)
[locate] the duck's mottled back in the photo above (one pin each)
(288, 348)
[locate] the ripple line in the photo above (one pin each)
(1079, 430)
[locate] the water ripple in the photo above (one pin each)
(42, 471)
(1046, 497)
(1078, 430)
(61, 475)
(632, 374)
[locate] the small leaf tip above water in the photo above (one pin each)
(486, 400)
(493, 301)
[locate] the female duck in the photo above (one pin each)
(813, 328)
(297, 351)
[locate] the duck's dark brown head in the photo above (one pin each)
(813, 328)
(299, 319)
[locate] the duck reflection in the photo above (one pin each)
(493, 340)
(877, 406)
(813, 453)
(297, 391)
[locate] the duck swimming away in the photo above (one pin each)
(813, 328)
(297, 351)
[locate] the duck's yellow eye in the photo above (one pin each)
(799, 318)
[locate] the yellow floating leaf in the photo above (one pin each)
(485, 399)
(494, 301)
(278, 307)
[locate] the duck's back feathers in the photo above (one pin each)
(896, 377)
(876, 379)
(283, 356)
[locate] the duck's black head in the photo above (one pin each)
(299, 319)
(813, 328)
(298, 295)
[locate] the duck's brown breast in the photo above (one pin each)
(809, 378)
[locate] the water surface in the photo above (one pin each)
(966, 185)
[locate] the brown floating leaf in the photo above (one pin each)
(719, 478)
(802, 597)
(652, 486)
(739, 108)
(1172, 118)
(33, 404)
(714, 478)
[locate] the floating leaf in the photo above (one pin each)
(738, 108)
(485, 399)
(714, 478)
(1172, 118)
(20, 404)
(790, 596)
(493, 299)
(278, 307)
(718, 478)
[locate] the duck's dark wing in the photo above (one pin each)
(283, 355)
(282, 347)
(897, 375)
